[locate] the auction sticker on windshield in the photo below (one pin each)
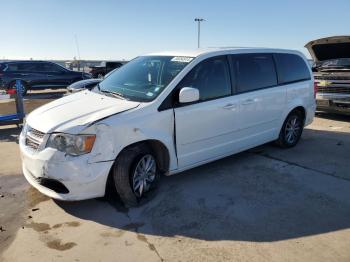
(182, 59)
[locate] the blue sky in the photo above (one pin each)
(45, 29)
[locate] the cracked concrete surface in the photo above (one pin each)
(265, 204)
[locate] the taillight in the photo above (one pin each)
(11, 91)
(315, 89)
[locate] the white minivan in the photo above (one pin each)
(164, 113)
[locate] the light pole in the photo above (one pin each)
(199, 20)
(77, 45)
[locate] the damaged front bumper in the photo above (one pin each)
(61, 176)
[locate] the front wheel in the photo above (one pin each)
(291, 130)
(135, 174)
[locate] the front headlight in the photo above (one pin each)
(74, 145)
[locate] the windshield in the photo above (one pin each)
(144, 78)
(341, 62)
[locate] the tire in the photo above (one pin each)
(126, 171)
(291, 130)
(24, 90)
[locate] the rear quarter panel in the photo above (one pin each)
(301, 94)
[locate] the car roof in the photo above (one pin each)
(222, 50)
(24, 61)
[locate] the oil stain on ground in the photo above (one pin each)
(69, 224)
(113, 233)
(34, 197)
(58, 245)
(39, 227)
(152, 247)
(53, 243)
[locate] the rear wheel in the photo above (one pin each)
(291, 130)
(135, 174)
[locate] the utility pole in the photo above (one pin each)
(77, 46)
(199, 20)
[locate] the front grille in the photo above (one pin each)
(31, 144)
(36, 133)
(333, 86)
(34, 138)
(333, 90)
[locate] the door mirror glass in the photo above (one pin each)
(188, 95)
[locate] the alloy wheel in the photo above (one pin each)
(144, 175)
(292, 129)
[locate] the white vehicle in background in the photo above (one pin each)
(86, 84)
(165, 113)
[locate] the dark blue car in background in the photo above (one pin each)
(37, 75)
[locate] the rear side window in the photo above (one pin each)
(291, 68)
(211, 77)
(47, 67)
(27, 67)
(254, 71)
(20, 67)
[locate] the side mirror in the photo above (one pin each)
(188, 95)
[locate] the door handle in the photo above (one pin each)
(230, 106)
(248, 101)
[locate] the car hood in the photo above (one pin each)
(329, 48)
(72, 113)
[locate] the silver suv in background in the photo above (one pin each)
(331, 69)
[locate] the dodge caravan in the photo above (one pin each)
(164, 113)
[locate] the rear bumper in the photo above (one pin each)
(333, 102)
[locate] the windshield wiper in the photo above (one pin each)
(119, 95)
(115, 94)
